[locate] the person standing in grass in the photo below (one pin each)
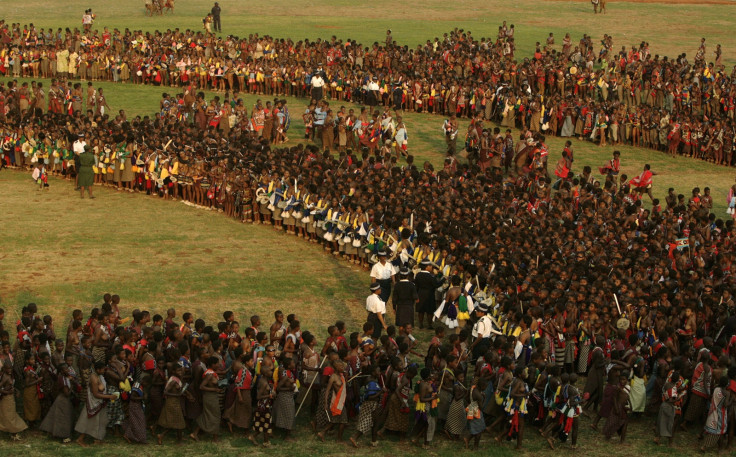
(93, 418)
(262, 420)
(335, 402)
(216, 10)
(673, 393)
(239, 414)
(172, 415)
(10, 421)
(86, 174)
(369, 407)
(209, 420)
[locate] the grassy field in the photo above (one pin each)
(64, 253)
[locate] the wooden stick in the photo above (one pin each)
(442, 379)
(357, 376)
(310, 386)
(617, 306)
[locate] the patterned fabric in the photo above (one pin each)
(262, 417)
(284, 411)
(456, 418)
(320, 418)
(583, 357)
(717, 421)
(172, 416)
(397, 420)
(99, 354)
(134, 426)
(115, 414)
(366, 416)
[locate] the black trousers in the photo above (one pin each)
(377, 327)
(216, 25)
(317, 93)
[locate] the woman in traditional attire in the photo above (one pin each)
(284, 411)
(209, 420)
(369, 407)
(264, 407)
(116, 373)
(716, 425)
(172, 415)
(31, 390)
(60, 418)
(134, 425)
(93, 418)
(239, 414)
(457, 417)
(335, 396)
(10, 421)
(618, 416)
(398, 404)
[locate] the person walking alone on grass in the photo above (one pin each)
(216, 26)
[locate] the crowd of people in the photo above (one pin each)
(527, 280)
(574, 88)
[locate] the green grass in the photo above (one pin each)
(64, 253)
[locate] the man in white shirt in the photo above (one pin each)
(317, 84)
(383, 274)
(482, 331)
(376, 308)
(372, 95)
(78, 148)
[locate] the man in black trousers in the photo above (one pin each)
(216, 18)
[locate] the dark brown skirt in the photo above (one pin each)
(172, 416)
(240, 412)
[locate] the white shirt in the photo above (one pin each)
(482, 328)
(374, 304)
(382, 271)
(373, 86)
(78, 146)
(317, 81)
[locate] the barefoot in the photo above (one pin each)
(159, 438)
(465, 439)
(551, 443)
(353, 442)
(321, 436)
(252, 440)
(193, 437)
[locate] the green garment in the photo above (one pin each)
(86, 174)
